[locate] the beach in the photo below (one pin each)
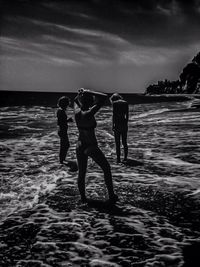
(44, 223)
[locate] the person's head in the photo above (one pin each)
(87, 100)
(63, 102)
(115, 97)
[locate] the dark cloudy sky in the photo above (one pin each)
(108, 45)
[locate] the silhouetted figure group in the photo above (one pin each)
(86, 104)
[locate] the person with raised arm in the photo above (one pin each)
(86, 104)
(120, 124)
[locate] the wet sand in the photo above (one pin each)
(44, 223)
(148, 227)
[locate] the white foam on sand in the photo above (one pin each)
(55, 228)
(174, 161)
(7, 196)
(149, 113)
(30, 170)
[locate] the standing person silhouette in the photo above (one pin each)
(120, 124)
(62, 122)
(86, 105)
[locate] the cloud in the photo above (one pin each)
(63, 61)
(18, 50)
(148, 23)
(155, 56)
(100, 34)
(78, 45)
(126, 18)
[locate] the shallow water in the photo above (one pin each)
(42, 219)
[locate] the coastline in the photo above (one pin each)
(28, 98)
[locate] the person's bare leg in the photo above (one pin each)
(97, 155)
(64, 146)
(124, 143)
(117, 144)
(82, 168)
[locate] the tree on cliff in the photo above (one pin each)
(164, 87)
(196, 59)
(189, 82)
(190, 75)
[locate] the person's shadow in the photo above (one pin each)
(132, 162)
(72, 165)
(108, 207)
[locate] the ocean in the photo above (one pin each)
(42, 221)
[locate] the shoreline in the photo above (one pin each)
(26, 98)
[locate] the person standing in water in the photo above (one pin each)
(120, 124)
(62, 122)
(86, 105)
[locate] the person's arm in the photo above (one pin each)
(99, 97)
(61, 118)
(77, 104)
(100, 100)
(114, 117)
(127, 113)
(77, 101)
